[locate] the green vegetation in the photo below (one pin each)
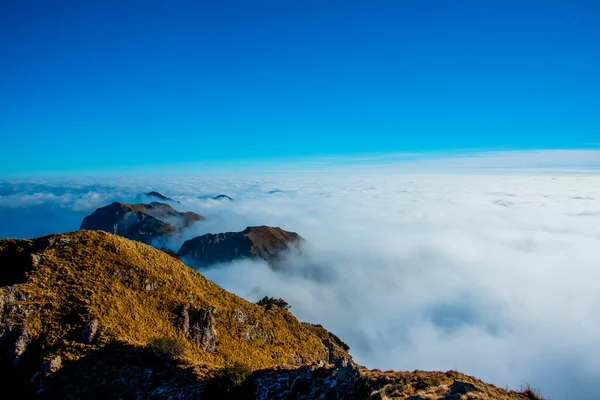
(233, 381)
(167, 347)
(269, 302)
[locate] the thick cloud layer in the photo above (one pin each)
(492, 275)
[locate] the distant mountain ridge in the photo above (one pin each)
(222, 197)
(155, 195)
(141, 222)
(255, 242)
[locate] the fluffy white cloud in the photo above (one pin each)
(492, 275)
(495, 276)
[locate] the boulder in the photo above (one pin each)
(462, 387)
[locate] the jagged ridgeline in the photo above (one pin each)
(92, 315)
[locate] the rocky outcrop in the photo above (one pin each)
(90, 331)
(21, 340)
(198, 324)
(318, 381)
(462, 387)
(146, 223)
(257, 242)
(335, 346)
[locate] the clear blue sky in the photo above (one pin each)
(92, 85)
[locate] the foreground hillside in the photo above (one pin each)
(90, 314)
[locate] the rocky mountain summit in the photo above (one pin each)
(255, 242)
(92, 315)
(142, 222)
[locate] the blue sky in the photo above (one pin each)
(101, 85)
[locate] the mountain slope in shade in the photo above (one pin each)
(142, 222)
(257, 242)
(155, 196)
(92, 315)
(222, 197)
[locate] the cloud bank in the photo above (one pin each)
(492, 275)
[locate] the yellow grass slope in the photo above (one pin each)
(134, 292)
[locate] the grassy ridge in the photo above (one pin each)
(134, 291)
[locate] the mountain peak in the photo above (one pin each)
(143, 222)
(255, 242)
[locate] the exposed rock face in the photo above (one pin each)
(318, 381)
(53, 365)
(462, 387)
(89, 331)
(199, 325)
(19, 345)
(258, 242)
(335, 346)
(142, 222)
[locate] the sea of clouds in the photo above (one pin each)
(495, 275)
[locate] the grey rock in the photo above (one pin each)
(451, 396)
(462, 387)
(21, 341)
(198, 324)
(89, 331)
(240, 316)
(345, 370)
(35, 259)
(53, 365)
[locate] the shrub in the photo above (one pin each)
(269, 302)
(531, 393)
(167, 347)
(339, 342)
(233, 381)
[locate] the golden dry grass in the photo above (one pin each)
(106, 276)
